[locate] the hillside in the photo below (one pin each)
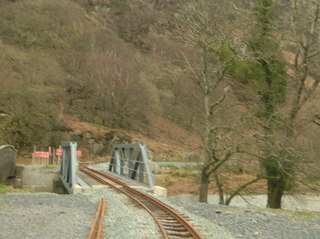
(165, 140)
(82, 59)
(100, 70)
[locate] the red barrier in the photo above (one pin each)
(59, 153)
(39, 154)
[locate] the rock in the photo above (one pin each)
(62, 125)
(98, 149)
(76, 136)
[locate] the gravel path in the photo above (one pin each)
(48, 215)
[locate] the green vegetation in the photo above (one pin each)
(266, 75)
(50, 167)
(8, 189)
(272, 92)
(188, 172)
(171, 167)
(271, 79)
(304, 215)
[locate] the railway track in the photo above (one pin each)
(96, 231)
(171, 224)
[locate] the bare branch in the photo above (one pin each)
(220, 100)
(194, 74)
(236, 192)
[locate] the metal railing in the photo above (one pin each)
(132, 162)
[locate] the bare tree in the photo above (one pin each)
(119, 94)
(207, 27)
(304, 37)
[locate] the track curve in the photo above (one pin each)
(171, 224)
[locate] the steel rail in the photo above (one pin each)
(96, 231)
(167, 219)
(162, 230)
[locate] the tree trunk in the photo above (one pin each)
(219, 188)
(204, 188)
(275, 192)
(277, 181)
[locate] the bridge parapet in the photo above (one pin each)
(69, 169)
(7, 162)
(131, 161)
(69, 166)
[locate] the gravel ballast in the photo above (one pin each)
(256, 223)
(48, 215)
(45, 215)
(124, 219)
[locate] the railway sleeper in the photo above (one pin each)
(180, 235)
(173, 225)
(168, 220)
(176, 229)
(176, 225)
(160, 212)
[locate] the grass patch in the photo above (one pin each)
(50, 167)
(172, 167)
(305, 215)
(8, 189)
(188, 172)
(193, 168)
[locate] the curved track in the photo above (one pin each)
(171, 224)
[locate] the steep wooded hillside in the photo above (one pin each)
(118, 64)
(103, 62)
